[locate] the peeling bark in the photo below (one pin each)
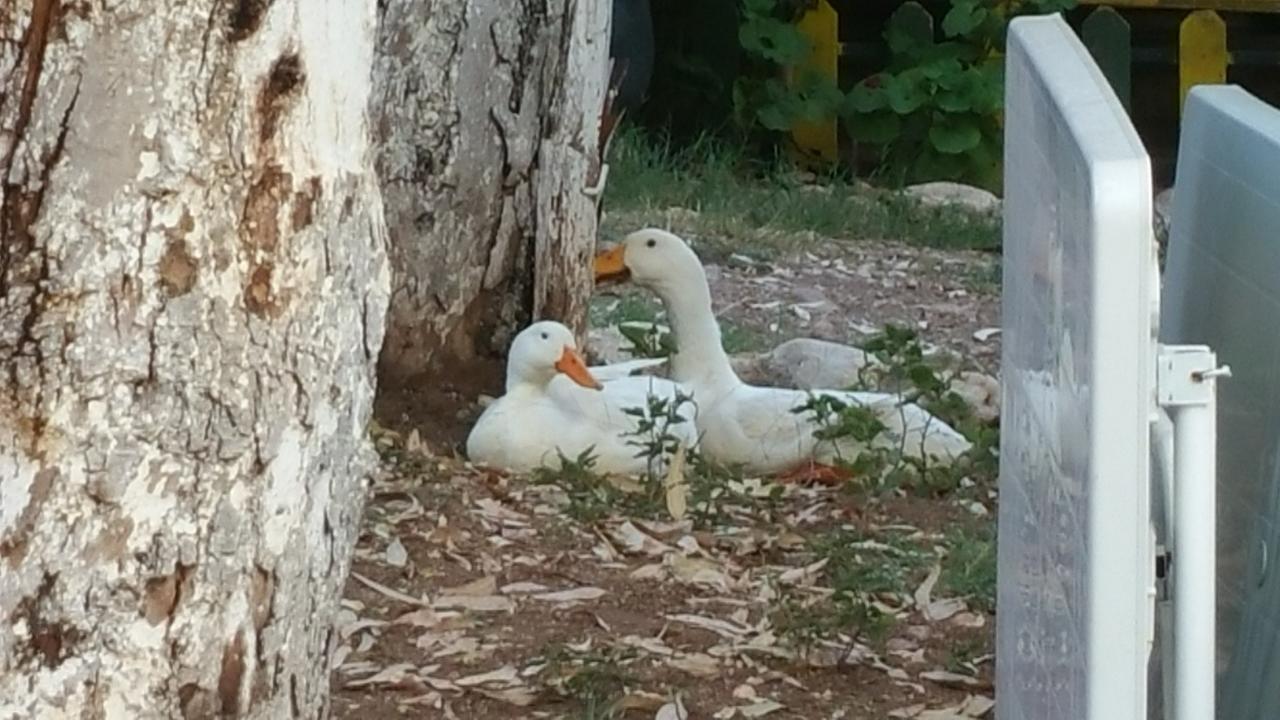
(192, 289)
(487, 118)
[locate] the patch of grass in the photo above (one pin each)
(858, 567)
(591, 497)
(804, 625)
(969, 569)
(726, 196)
(962, 653)
(740, 338)
(713, 489)
(593, 680)
(858, 563)
(627, 307)
(984, 278)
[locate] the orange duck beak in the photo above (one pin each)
(572, 365)
(611, 265)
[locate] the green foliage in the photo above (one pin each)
(969, 570)
(711, 486)
(935, 111)
(647, 340)
(774, 91)
(595, 680)
(652, 434)
(858, 567)
(804, 623)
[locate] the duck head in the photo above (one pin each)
(542, 350)
(651, 258)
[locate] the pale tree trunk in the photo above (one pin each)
(192, 291)
(487, 115)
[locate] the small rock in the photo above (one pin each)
(751, 368)
(936, 194)
(484, 401)
(811, 364)
(986, 334)
(981, 392)
(604, 346)
(807, 294)
(978, 509)
(1162, 208)
(919, 632)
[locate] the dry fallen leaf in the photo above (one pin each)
(719, 627)
(696, 571)
(950, 679)
(475, 603)
(639, 700)
(505, 675)
(760, 708)
(940, 610)
(487, 585)
(674, 710)
(422, 617)
(518, 696)
(521, 588)
(635, 540)
(575, 595)
(802, 575)
(677, 489)
(696, 664)
(969, 620)
(976, 706)
(386, 591)
(391, 675)
(652, 571)
(909, 711)
(624, 484)
(922, 593)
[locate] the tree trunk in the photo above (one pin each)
(487, 118)
(192, 291)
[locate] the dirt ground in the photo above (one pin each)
(476, 595)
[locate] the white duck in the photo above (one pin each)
(554, 403)
(739, 423)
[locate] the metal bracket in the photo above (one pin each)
(1185, 374)
(1186, 379)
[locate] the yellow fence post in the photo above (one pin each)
(1202, 52)
(821, 25)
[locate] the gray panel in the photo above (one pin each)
(1222, 289)
(1074, 554)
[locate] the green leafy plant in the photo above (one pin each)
(652, 434)
(594, 680)
(935, 111)
(969, 569)
(647, 340)
(859, 566)
(775, 91)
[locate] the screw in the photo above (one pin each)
(1202, 375)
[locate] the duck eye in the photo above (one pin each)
(652, 243)
(546, 336)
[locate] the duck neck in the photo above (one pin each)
(700, 358)
(518, 384)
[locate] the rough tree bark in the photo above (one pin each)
(192, 291)
(487, 118)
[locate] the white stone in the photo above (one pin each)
(935, 194)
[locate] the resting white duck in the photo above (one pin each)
(743, 424)
(554, 405)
